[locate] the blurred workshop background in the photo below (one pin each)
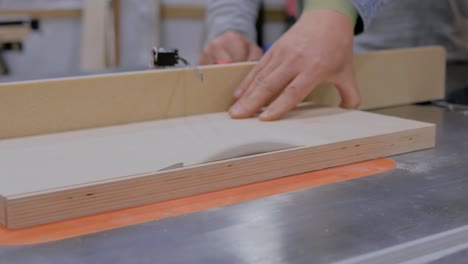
(76, 35)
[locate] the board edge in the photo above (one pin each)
(78, 201)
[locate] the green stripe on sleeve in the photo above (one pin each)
(342, 6)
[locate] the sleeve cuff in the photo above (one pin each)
(343, 6)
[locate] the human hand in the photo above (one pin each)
(230, 47)
(317, 49)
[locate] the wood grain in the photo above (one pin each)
(48, 106)
(2, 211)
(97, 177)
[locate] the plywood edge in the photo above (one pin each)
(55, 205)
(3, 215)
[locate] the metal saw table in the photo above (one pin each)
(426, 194)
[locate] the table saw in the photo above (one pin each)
(411, 207)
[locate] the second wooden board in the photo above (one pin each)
(61, 176)
(385, 78)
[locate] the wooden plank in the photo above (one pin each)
(39, 107)
(94, 31)
(182, 12)
(112, 35)
(44, 13)
(87, 172)
(390, 78)
(275, 14)
(195, 12)
(272, 13)
(2, 211)
(116, 6)
(14, 33)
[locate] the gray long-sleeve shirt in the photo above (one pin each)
(240, 15)
(411, 23)
(401, 24)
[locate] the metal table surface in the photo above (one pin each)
(426, 194)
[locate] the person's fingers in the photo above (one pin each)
(259, 78)
(294, 93)
(219, 53)
(215, 51)
(255, 53)
(223, 62)
(229, 47)
(251, 76)
(205, 58)
(237, 48)
(267, 85)
(349, 92)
